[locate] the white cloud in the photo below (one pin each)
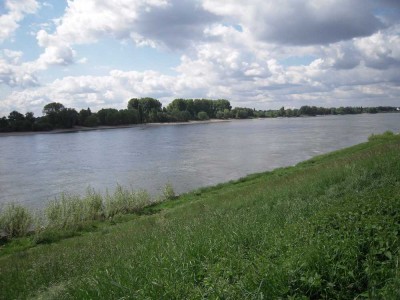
(294, 22)
(16, 12)
(167, 23)
(381, 50)
(157, 23)
(231, 49)
(13, 73)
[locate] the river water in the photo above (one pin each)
(36, 168)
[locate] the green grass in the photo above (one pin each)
(327, 228)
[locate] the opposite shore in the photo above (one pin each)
(83, 128)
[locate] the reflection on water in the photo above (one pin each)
(34, 169)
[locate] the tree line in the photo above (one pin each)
(150, 110)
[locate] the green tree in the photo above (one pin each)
(42, 124)
(129, 116)
(219, 115)
(221, 105)
(202, 115)
(83, 115)
(53, 107)
(180, 116)
(67, 118)
(146, 107)
(241, 114)
(4, 124)
(91, 121)
(178, 105)
(227, 114)
(16, 121)
(281, 112)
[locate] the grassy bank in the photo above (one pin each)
(326, 228)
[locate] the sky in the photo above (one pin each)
(261, 54)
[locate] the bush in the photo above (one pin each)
(91, 121)
(386, 135)
(15, 220)
(93, 204)
(125, 201)
(70, 213)
(202, 116)
(168, 192)
(66, 212)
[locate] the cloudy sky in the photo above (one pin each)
(256, 53)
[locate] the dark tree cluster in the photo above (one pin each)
(150, 110)
(198, 109)
(321, 111)
(17, 122)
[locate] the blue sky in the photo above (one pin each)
(258, 53)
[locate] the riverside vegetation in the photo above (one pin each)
(326, 228)
(150, 110)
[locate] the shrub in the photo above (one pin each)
(168, 192)
(202, 115)
(125, 201)
(15, 220)
(93, 204)
(91, 121)
(386, 135)
(67, 212)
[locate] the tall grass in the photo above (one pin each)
(124, 201)
(15, 221)
(71, 213)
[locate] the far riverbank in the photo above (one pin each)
(82, 128)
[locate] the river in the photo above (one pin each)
(36, 168)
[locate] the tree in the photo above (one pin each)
(178, 105)
(91, 121)
(219, 115)
(4, 124)
(202, 115)
(109, 116)
(83, 115)
(67, 118)
(129, 116)
(227, 113)
(308, 110)
(241, 114)
(42, 124)
(53, 107)
(180, 116)
(133, 103)
(51, 111)
(221, 105)
(281, 112)
(150, 107)
(60, 117)
(203, 105)
(147, 108)
(16, 121)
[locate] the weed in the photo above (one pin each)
(15, 220)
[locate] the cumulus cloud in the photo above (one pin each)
(381, 50)
(175, 25)
(13, 73)
(296, 22)
(256, 53)
(16, 10)
(170, 23)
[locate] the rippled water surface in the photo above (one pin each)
(36, 168)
